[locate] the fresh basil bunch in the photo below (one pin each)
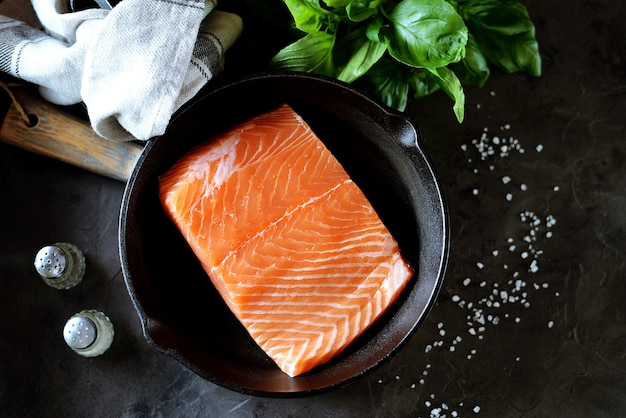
(411, 48)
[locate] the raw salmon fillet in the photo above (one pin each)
(289, 240)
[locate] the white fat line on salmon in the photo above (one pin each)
(309, 303)
(297, 333)
(352, 239)
(337, 271)
(372, 310)
(287, 214)
(315, 285)
(198, 166)
(330, 254)
(299, 275)
(282, 295)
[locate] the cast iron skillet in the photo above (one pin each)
(182, 314)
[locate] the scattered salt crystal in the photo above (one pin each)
(456, 298)
(523, 187)
(506, 179)
(495, 253)
(533, 267)
(509, 197)
(539, 148)
(480, 265)
(413, 386)
(556, 188)
(475, 192)
(492, 93)
(476, 409)
(550, 324)
(466, 281)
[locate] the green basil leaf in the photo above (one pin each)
(309, 16)
(505, 34)
(449, 82)
(426, 33)
(387, 80)
(422, 83)
(506, 17)
(311, 53)
(472, 70)
(374, 26)
(360, 10)
(355, 54)
(336, 3)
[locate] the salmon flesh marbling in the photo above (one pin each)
(288, 239)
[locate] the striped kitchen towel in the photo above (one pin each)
(132, 66)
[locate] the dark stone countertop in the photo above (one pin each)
(531, 320)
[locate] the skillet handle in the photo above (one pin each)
(67, 138)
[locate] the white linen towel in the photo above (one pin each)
(132, 66)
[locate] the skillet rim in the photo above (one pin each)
(154, 329)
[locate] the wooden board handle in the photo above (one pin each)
(67, 138)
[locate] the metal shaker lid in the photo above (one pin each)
(50, 262)
(80, 332)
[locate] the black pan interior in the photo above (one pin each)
(183, 315)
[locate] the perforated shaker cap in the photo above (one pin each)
(80, 332)
(50, 262)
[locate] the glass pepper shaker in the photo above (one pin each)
(61, 265)
(89, 333)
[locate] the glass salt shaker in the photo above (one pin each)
(61, 265)
(89, 333)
